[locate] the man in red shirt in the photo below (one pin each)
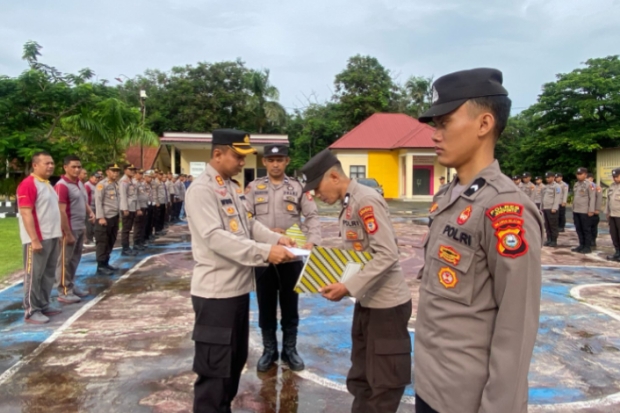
(39, 227)
(74, 210)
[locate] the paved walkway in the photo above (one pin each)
(128, 347)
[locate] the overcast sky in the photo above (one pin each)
(305, 44)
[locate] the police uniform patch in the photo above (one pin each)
(351, 235)
(510, 236)
(447, 277)
(260, 199)
(433, 207)
(100, 187)
(290, 207)
(501, 210)
(219, 180)
(309, 196)
(348, 213)
(239, 191)
(464, 216)
(370, 222)
(222, 192)
(358, 246)
(449, 254)
(234, 225)
(261, 186)
(230, 210)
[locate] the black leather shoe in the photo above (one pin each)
(546, 244)
(586, 250)
(128, 252)
(102, 270)
(289, 351)
(577, 249)
(553, 244)
(270, 351)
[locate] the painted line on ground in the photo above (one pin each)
(27, 359)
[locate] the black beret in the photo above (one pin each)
(314, 170)
(275, 150)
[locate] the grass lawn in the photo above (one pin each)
(10, 247)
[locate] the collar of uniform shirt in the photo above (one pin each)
(38, 178)
(488, 174)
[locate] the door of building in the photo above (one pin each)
(422, 180)
(248, 176)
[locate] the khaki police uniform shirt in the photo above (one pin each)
(170, 188)
(143, 196)
(180, 190)
(365, 226)
(479, 298)
(598, 202)
(529, 189)
(160, 195)
(538, 193)
(226, 242)
(281, 206)
(584, 200)
(612, 209)
(564, 186)
(106, 199)
(128, 194)
(552, 197)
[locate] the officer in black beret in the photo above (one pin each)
(479, 300)
(278, 202)
(226, 244)
(612, 211)
(584, 205)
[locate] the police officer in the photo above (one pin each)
(551, 199)
(143, 204)
(277, 201)
(479, 301)
(129, 207)
(517, 181)
(598, 205)
(226, 244)
(107, 208)
(612, 211)
(527, 186)
(171, 191)
(161, 205)
(538, 191)
(562, 219)
(90, 186)
(442, 181)
(584, 204)
(381, 348)
(150, 209)
(179, 189)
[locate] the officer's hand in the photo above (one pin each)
(36, 246)
(564, 204)
(278, 230)
(125, 213)
(139, 213)
(590, 214)
(103, 222)
(278, 254)
(334, 292)
(157, 205)
(553, 211)
(308, 246)
(287, 242)
(70, 239)
(91, 218)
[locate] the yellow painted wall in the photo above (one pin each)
(383, 166)
(193, 155)
(349, 158)
(606, 161)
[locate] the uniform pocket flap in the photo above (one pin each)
(384, 346)
(261, 199)
(212, 335)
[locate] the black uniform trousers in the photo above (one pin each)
(138, 227)
(160, 216)
(274, 284)
(551, 224)
(594, 221)
(614, 231)
(148, 222)
(380, 358)
(562, 217)
(128, 221)
(583, 228)
(422, 407)
(105, 238)
(221, 334)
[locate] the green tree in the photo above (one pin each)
(576, 115)
(263, 101)
(363, 88)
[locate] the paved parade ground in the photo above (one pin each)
(127, 347)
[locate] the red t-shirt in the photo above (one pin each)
(39, 195)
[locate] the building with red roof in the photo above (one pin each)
(397, 151)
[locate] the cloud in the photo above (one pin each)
(305, 44)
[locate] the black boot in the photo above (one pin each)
(586, 250)
(102, 269)
(289, 350)
(270, 350)
(614, 257)
(553, 243)
(128, 252)
(546, 244)
(577, 249)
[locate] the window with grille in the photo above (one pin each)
(357, 172)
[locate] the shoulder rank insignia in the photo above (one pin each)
(219, 180)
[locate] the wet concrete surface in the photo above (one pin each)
(132, 352)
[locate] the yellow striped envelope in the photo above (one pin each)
(295, 233)
(327, 266)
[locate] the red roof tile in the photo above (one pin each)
(387, 131)
(133, 156)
